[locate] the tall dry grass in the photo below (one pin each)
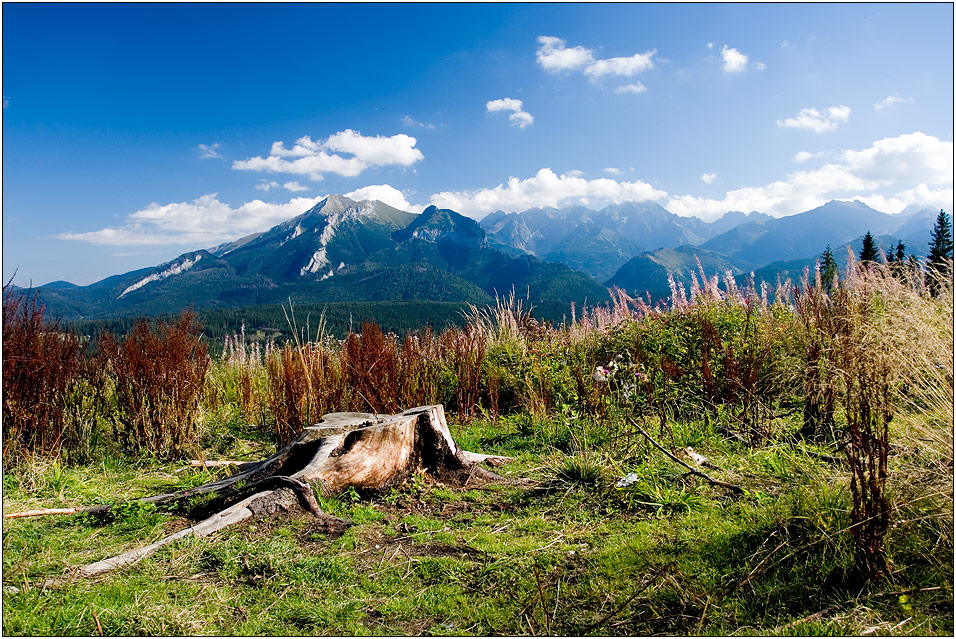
(915, 330)
(303, 382)
(243, 365)
(878, 367)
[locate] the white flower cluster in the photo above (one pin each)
(619, 376)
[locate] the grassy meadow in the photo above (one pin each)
(828, 405)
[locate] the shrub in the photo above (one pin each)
(420, 367)
(159, 379)
(466, 352)
(370, 368)
(879, 347)
(304, 382)
(43, 371)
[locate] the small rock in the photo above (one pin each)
(696, 457)
(10, 590)
(627, 480)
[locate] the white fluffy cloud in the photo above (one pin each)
(206, 221)
(545, 189)
(554, 56)
(817, 121)
(383, 193)
(314, 158)
(625, 66)
(889, 175)
(889, 101)
(637, 87)
(803, 156)
(613, 170)
(288, 186)
(734, 60)
(518, 116)
(207, 151)
(203, 222)
(910, 158)
(882, 175)
(921, 195)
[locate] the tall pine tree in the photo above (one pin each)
(828, 270)
(897, 261)
(941, 242)
(940, 249)
(869, 255)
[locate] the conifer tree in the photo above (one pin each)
(828, 270)
(940, 249)
(897, 261)
(941, 242)
(869, 255)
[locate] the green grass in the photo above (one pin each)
(563, 553)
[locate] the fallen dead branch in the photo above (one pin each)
(42, 512)
(199, 463)
(693, 471)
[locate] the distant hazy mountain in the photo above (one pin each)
(772, 247)
(595, 242)
(915, 245)
(648, 273)
(340, 250)
(600, 242)
(733, 219)
(799, 236)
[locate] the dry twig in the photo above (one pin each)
(693, 471)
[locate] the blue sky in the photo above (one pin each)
(133, 133)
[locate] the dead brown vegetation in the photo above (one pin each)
(42, 368)
(159, 378)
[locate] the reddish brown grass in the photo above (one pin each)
(42, 365)
(159, 377)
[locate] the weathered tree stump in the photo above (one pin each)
(368, 452)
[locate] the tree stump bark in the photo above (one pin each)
(368, 452)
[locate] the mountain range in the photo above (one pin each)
(600, 242)
(340, 250)
(343, 250)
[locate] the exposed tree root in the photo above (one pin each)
(367, 452)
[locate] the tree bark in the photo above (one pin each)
(370, 453)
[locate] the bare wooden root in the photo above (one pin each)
(367, 452)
